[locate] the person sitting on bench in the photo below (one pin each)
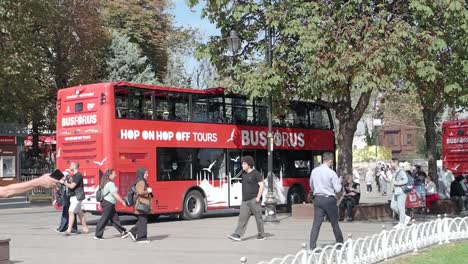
(350, 198)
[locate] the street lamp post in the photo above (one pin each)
(233, 42)
(377, 123)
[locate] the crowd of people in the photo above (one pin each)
(334, 197)
(70, 194)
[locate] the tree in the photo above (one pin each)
(436, 61)
(323, 50)
(146, 23)
(125, 62)
(40, 56)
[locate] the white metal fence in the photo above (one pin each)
(382, 246)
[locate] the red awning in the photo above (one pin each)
(48, 140)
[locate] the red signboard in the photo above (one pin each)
(8, 140)
(455, 146)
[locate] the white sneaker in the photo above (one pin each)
(397, 226)
(407, 220)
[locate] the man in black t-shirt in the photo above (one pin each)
(252, 189)
(76, 192)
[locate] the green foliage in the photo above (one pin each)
(146, 23)
(46, 45)
(323, 50)
(368, 154)
(125, 62)
(436, 53)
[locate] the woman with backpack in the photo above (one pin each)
(142, 207)
(109, 198)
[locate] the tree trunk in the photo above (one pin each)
(35, 138)
(347, 128)
(430, 135)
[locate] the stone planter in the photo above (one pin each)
(4, 250)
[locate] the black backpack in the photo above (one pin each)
(99, 196)
(130, 199)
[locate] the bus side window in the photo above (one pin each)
(319, 117)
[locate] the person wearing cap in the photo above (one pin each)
(63, 199)
(252, 189)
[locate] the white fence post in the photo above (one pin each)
(378, 247)
(446, 229)
(304, 255)
(350, 251)
(440, 229)
(384, 242)
(414, 235)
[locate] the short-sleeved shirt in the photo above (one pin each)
(78, 179)
(108, 190)
(250, 184)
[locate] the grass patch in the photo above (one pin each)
(455, 253)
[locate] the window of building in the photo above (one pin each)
(391, 139)
(8, 166)
(409, 139)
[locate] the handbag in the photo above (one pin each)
(79, 193)
(412, 200)
(144, 208)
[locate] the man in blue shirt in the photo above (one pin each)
(324, 183)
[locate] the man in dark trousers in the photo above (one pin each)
(252, 189)
(62, 195)
(324, 183)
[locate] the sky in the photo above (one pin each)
(184, 16)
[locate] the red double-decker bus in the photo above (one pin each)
(190, 140)
(455, 146)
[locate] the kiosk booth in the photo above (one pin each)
(11, 145)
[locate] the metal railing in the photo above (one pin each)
(382, 246)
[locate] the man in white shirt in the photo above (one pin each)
(399, 196)
(325, 183)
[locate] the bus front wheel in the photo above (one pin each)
(193, 205)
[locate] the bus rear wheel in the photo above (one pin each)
(194, 205)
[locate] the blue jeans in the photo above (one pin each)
(64, 220)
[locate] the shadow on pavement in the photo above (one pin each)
(267, 235)
(161, 237)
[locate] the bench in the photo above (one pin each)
(444, 207)
(362, 212)
(4, 250)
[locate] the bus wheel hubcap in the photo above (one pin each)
(193, 205)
